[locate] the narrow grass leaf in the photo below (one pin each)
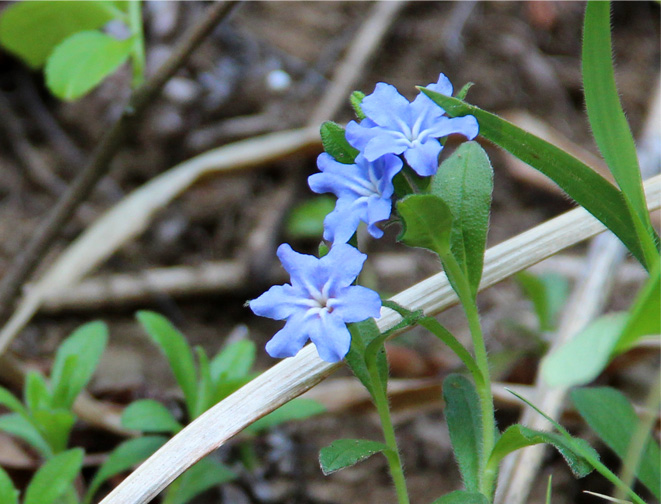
(82, 61)
(335, 143)
(548, 293)
(610, 414)
(52, 480)
(177, 351)
(202, 476)
(22, 428)
(8, 493)
(465, 182)
(607, 120)
(10, 401)
(426, 222)
(234, 361)
(147, 415)
(125, 456)
(548, 489)
(464, 419)
(31, 30)
(462, 497)
(296, 409)
(582, 183)
(347, 452)
(37, 394)
(205, 384)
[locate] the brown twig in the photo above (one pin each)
(48, 231)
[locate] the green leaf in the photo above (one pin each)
(307, 219)
(465, 182)
(585, 356)
(205, 474)
(82, 61)
(548, 489)
(296, 409)
(464, 418)
(10, 401)
(582, 183)
(234, 361)
(426, 221)
(177, 351)
(8, 493)
(55, 426)
(608, 122)
(347, 452)
(610, 414)
(226, 387)
(37, 395)
(462, 497)
(362, 334)
(32, 29)
(356, 100)
(147, 415)
(205, 385)
(127, 455)
(54, 477)
(86, 344)
(335, 143)
(23, 428)
(644, 319)
(548, 293)
(517, 436)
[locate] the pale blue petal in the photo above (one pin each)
(341, 224)
(386, 107)
(343, 263)
(279, 302)
(442, 86)
(356, 303)
(466, 125)
(299, 266)
(289, 340)
(390, 166)
(386, 142)
(378, 210)
(358, 135)
(424, 157)
(331, 337)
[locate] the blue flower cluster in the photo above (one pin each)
(321, 299)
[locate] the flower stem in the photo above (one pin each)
(382, 407)
(138, 50)
(462, 287)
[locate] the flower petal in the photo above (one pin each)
(358, 135)
(299, 266)
(289, 340)
(342, 264)
(356, 303)
(442, 86)
(423, 158)
(378, 209)
(465, 125)
(331, 337)
(386, 107)
(279, 302)
(385, 142)
(341, 223)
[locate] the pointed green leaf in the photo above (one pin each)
(464, 418)
(426, 221)
(233, 361)
(362, 334)
(177, 351)
(37, 395)
(335, 143)
(607, 120)
(582, 183)
(610, 414)
(82, 61)
(228, 386)
(31, 30)
(347, 452)
(147, 415)
(87, 344)
(55, 426)
(462, 497)
(22, 428)
(296, 409)
(205, 474)
(8, 493)
(517, 436)
(356, 100)
(205, 385)
(127, 455)
(548, 293)
(465, 182)
(585, 356)
(54, 477)
(10, 401)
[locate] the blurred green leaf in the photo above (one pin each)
(464, 419)
(199, 478)
(234, 361)
(582, 183)
(465, 182)
(426, 222)
(296, 409)
(307, 219)
(126, 455)
(462, 497)
(55, 426)
(205, 385)
(54, 477)
(31, 30)
(177, 351)
(24, 429)
(335, 143)
(82, 61)
(8, 493)
(37, 395)
(347, 452)
(10, 401)
(608, 122)
(610, 414)
(548, 293)
(86, 344)
(147, 415)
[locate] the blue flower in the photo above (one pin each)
(393, 125)
(318, 303)
(363, 191)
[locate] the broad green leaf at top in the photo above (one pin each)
(82, 61)
(582, 183)
(32, 29)
(608, 122)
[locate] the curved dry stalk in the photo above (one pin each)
(293, 376)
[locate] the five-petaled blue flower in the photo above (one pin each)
(364, 192)
(318, 303)
(393, 125)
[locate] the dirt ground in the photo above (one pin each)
(265, 70)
